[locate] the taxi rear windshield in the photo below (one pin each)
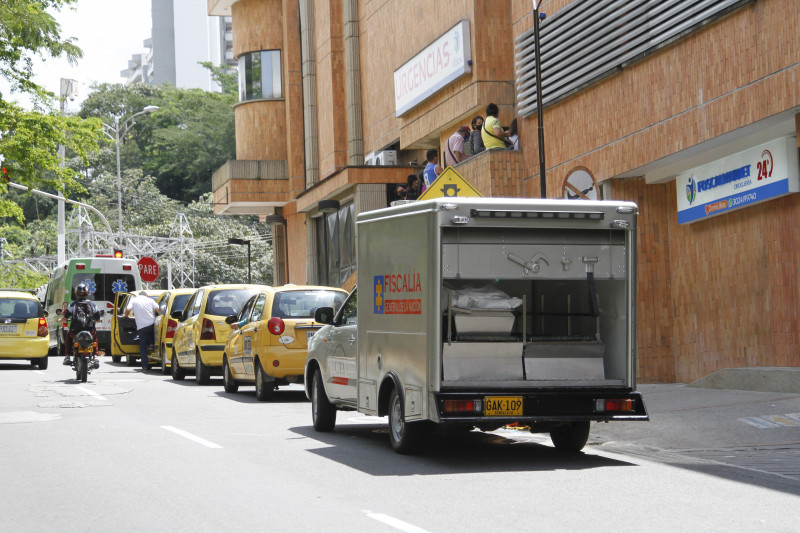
(302, 304)
(226, 302)
(18, 308)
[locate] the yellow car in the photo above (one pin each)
(201, 334)
(165, 325)
(23, 327)
(270, 339)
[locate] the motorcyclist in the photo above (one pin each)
(81, 299)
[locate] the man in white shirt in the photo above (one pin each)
(144, 312)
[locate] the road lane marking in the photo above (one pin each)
(773, 421)
(395, 522)
(189, 436)
(91, 393)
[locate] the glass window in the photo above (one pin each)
(348, 315)
(227, 302)
(198, 302)
(302, 304)
(244, 314)
(18, 308)
(260, 75)
(102, 287)
(179, 303)
(258, 310)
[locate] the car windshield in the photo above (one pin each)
(226, 302)
(302, 304)
(18, 308)
(179, 302)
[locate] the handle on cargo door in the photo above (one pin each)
(352, 339)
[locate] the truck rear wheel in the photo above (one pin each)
(323, 412)
(570, 437)
(406, 437)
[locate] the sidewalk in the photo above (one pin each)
(696, 416)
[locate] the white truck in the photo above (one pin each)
(481, 312)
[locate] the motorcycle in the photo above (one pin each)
(84, 355)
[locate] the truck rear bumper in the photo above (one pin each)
(540, 406)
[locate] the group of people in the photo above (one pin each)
(486, 134)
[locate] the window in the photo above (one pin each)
(260, 75)
(258, 310)
(102, 287)
(302, 304)
(349, 315)
(337, 246)
(227, 302)
(244, 314)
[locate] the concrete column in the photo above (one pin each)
(355, 134)
(309, 61)
(312, 252)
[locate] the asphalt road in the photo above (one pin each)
(133, 451)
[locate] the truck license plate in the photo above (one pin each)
(502, 405)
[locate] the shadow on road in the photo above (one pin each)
(247, 394)
(366, 448)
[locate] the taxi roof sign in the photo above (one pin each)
(450, 184)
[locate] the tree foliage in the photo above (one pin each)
(29, 140)
(181, 144)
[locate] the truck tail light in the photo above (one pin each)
(463, 406)
(622, 404)
(42, 332)
(207, 333)
(171, 327)
(276, 325)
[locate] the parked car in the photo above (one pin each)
(202, 331)
(165, 326)
(270, 339)
(124, 336)
(23, 327)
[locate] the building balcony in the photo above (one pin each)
(250, 187)
(495, 173)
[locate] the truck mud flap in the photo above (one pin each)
(528, 406)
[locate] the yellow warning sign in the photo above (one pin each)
(450, 184)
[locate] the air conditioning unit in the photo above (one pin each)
(386, 158)
(369, 159)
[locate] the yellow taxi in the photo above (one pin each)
(269, 343)
(165, 326)
(124, 336)
(202, 331)
(23, 327)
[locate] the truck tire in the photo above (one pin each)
(227, 380)
(406, 437)
(177, 372)
(570, 437)
(264, 389)
(202, 373)
(323, 412)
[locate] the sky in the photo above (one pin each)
(108, 31)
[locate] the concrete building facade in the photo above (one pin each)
(688, 108)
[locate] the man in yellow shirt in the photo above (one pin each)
(492, 133)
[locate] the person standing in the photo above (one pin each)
(513, 134)
(412, 187)
(144, 312)
(454, 154)
(432, 169)
(492, 133)
(475, 142)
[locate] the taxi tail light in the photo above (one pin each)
(42, 331)
(463, 406)
(207, 333)
(172, 326)
(276, 325)
(621, 404)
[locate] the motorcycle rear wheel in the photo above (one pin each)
(82, 370)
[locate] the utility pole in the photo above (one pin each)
(539, 106)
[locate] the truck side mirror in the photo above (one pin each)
(324, 315)
(44, 314)
(231, 319)
(176, 315)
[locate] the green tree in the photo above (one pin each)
(225, 76)
(29, 140)
(191, 135)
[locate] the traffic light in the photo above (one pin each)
(117, 254)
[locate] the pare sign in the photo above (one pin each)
(148, 269)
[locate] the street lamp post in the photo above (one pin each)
(119, 134)
(539, 105)
(243, 242)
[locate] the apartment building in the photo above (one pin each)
(688, 108)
